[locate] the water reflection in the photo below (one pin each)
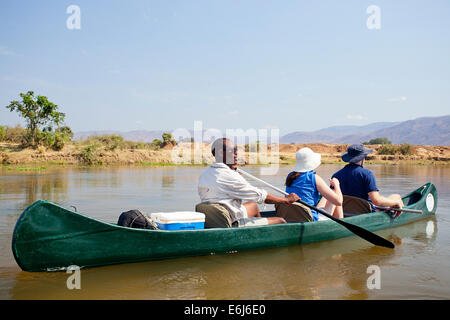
(23, 190)
(167, 181)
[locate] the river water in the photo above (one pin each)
(339, 269)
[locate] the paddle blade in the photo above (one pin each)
(368, 236)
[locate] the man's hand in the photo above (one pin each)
(272, 199)
(292, 197)
(399, 205)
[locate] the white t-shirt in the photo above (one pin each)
(220, 184)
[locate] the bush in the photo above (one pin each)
(15, 134)
(109, 142)
(112, 142)
(46, 138)
(59, 141)
(403, 149)
(66, 131)
(2, 133)
(387, 149)
(5, 158)
(54, 140)
(88, 154)
(157, 144)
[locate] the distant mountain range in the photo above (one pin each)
(335, 134)
(420, 131)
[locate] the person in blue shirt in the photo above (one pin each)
(308, 185)
(357, 181)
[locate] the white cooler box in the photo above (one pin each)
(182, 220)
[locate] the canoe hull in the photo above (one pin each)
(49, 237)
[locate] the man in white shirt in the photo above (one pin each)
(222, 184)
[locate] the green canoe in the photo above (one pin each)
(48, 237)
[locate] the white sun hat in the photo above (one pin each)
(306, 160)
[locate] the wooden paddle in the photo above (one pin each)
(363, 233)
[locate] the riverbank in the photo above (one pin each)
(74, 154)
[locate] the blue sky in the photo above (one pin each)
(293, 65)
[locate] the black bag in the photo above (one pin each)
(135, 219)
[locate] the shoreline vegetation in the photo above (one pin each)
(48, 142)
(102, 151)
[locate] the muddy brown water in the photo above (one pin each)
(337, 269)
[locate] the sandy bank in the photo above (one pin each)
(188, 154)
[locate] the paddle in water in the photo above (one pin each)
(363, 233)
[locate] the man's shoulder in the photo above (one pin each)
(216, 167)
(366, 171)
(356, 169)
(340, 171)
(220, 170)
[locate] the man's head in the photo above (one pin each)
(224, 151)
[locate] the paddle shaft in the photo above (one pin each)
(398, 209)
(361, 232)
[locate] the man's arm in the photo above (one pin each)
(381, 201)
(272, 199)
(238, 188)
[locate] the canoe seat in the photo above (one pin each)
(353, 206)
(216, 215)
(294, 212)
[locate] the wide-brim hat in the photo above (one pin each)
(355, 153)
(306, 160)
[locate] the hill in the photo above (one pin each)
(333, 134)
(420, 131)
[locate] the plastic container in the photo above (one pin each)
(183, 220)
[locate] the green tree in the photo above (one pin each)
(168, 139)
(38, 113)
(378, 141)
